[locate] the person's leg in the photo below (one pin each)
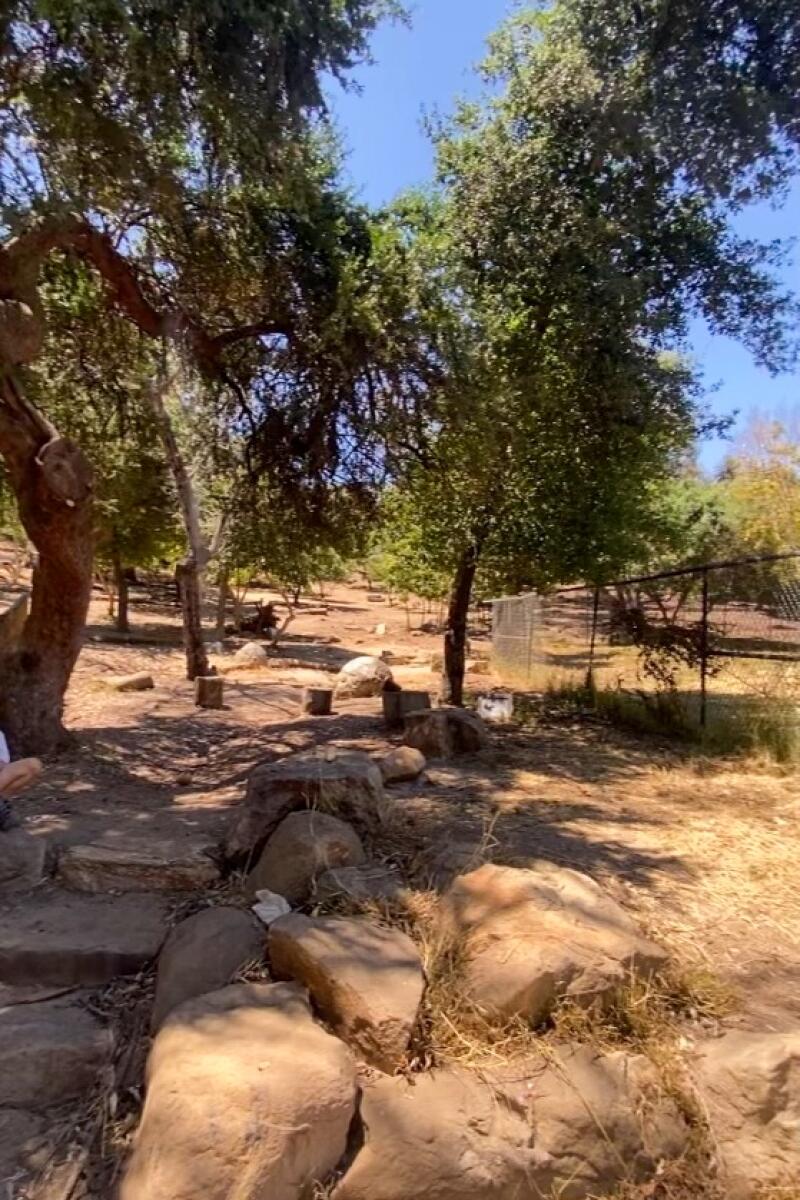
(15, 777)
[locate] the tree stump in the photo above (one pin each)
(208, 691)
(397, 706)
(317, 701)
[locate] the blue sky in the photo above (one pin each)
(421, 70)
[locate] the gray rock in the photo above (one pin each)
(363, 676)
(137, 867)
(52, 1052)
(21, 1143)
(252, 654)
(202, 954)
(446, 732)
(346, 784)
(370, 881)
(303, 846)
(22, 860)
(62, 937)
(402, 764)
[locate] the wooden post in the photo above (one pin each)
(208, 691)
(397, 706)
(317, 702)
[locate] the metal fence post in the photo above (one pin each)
(704, 653)
(593, 641)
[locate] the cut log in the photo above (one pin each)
(208, 690)
(317, 701)
(397, 706)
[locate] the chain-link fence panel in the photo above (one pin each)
(712, 645)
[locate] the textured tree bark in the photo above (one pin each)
(455, 638)
(222, 604)
(52, 481)
(188, 572)
(121, 586)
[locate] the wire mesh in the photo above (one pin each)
(718, 642)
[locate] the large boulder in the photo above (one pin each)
(171, 866)
(22, 860)
(364, 676)
(371, 881)
(202, 954)
(749, 1084)
(574, 1125)
(366, 980)
(247, 1097)
(250, 656)
(445, 732)
(402, 764)
(348, 784)
(52, 1052)
(21, 1144)
(538, 935)
(303, 846)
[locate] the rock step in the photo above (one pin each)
(130, 866)
(58, 937)
(52, 1052)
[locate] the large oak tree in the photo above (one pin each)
(124, 128)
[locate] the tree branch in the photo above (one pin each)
(21, 261)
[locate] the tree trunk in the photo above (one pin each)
(121, 585)
(52, 481)
(455, 638)
(188, 573)
(222, 604)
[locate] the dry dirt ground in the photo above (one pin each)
(707, 852)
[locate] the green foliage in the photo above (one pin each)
(91, 381)
(119, 104)
(404, 554)
(296, 541)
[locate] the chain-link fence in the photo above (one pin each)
(719, 643)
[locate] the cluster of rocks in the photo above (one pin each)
(282, 1048)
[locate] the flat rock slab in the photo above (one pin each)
(446, 732)
(749, 1084)
(61, 937)
(303, 846)
(142, 682)
(22, 861)
(345, 783)
(136, 867)
(575, 1125)
(370, 881)
(365, 979)
(203, 953)
(247, 1098)
(542, 934)
(52, 1052)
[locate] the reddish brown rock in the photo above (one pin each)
(538, 935)
(366, 980)
(247, 1097)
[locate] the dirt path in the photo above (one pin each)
(706, 853)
